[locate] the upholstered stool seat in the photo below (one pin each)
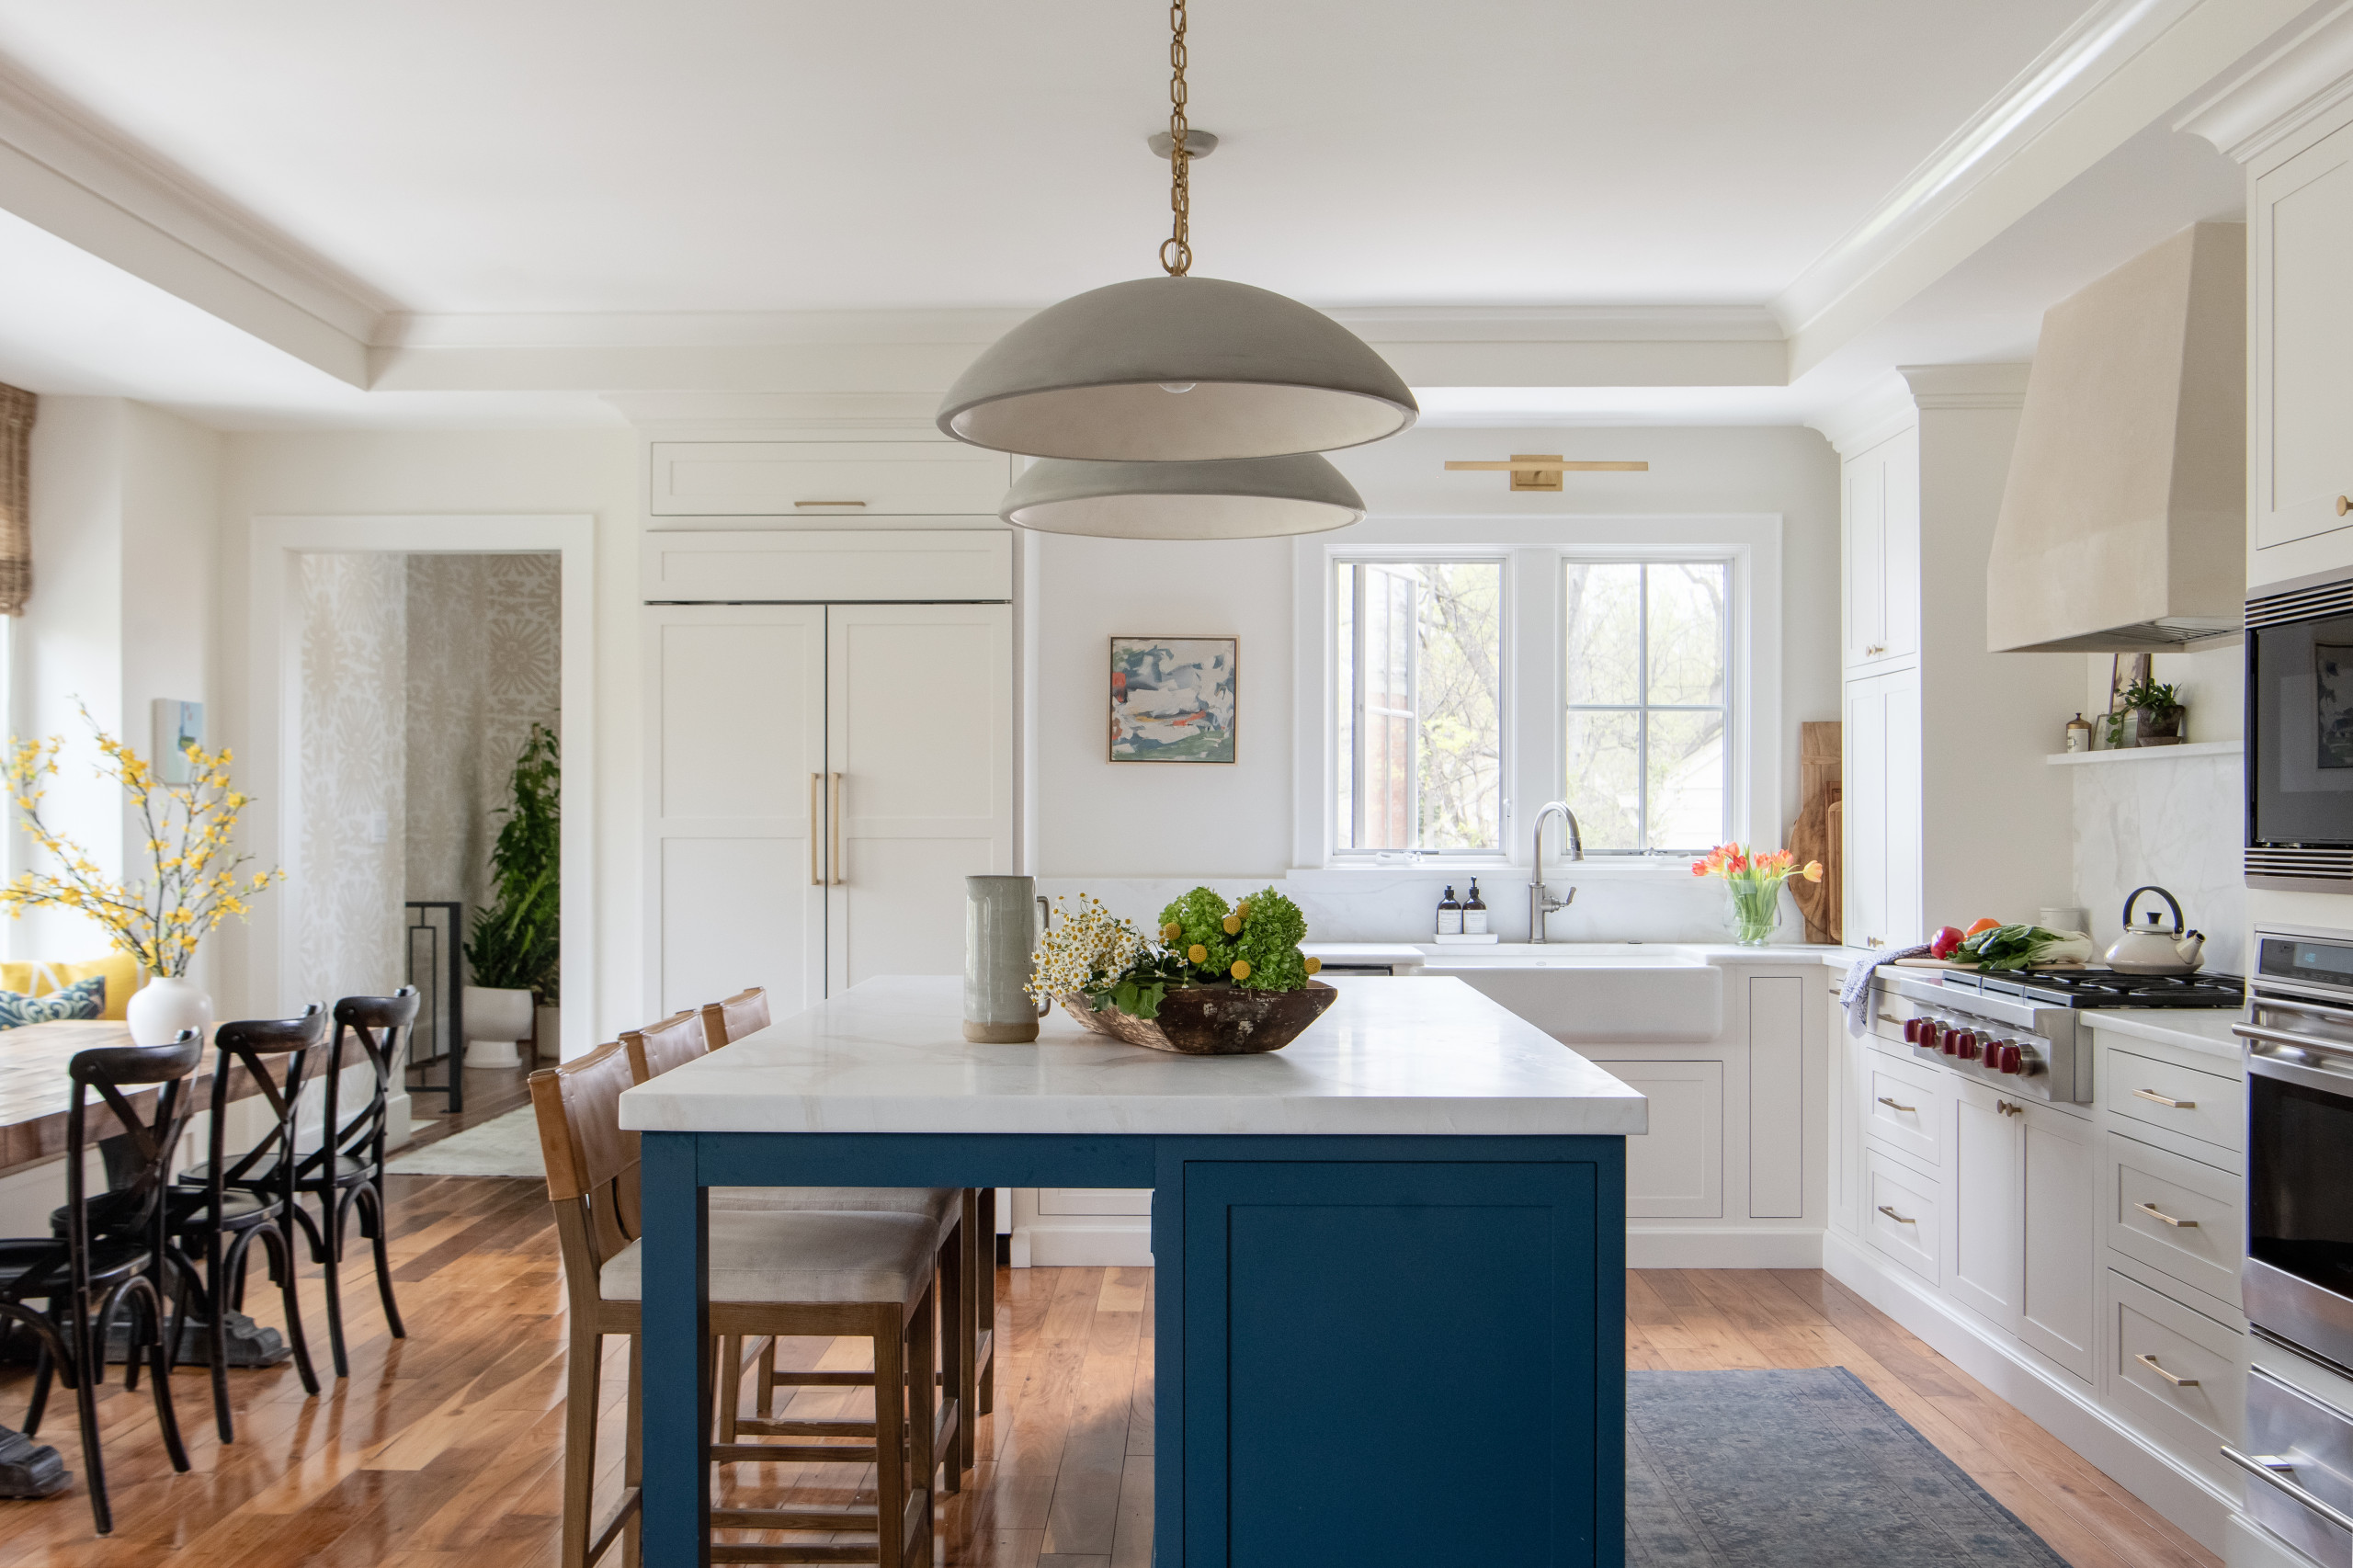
(802, 1256)
(943, 1205)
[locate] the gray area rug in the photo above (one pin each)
(1799, 1468)
(505, 1147)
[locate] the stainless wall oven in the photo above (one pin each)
(2296, 1281)
(2300, 737)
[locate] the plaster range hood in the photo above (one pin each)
(2123, 522)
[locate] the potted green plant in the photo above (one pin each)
(2157, 713)
(514, 949)
(1219, 980)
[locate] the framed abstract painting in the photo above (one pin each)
(1172, 698)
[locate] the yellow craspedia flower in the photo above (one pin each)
(1241, 913)
(1198, 953)
(1171, 931)
(1241, 970)
(1233, 924)
(1313, 964)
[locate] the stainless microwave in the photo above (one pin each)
(2300, 737)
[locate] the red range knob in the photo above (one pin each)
(1949, 1041)
(2012, 1060)
(1968, 1046)
(1926, 1039)
(1911, 1032)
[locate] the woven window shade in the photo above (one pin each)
(16, 408)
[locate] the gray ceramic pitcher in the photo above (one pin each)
(1001, 919)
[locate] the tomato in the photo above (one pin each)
(1946, 941)
(1981, 926)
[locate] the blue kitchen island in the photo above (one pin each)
(1389, 1256)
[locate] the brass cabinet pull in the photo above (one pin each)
(829, 503)
(2156, 1098)
(2151, 1362)
(1874, 942)
(1874, 649)
(1892, 1105)
(816, 828)
(2154, 1212)
(2344, 505)
(2007, 1109)
(1889, 1018)
(1899, 1218)
(835, 858)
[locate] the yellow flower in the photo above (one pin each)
(1198, 953)
(1240, 912)
(1171, 931)
(1313, 964)
(1241, 970)
(1233, 924)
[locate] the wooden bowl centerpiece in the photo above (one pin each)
(1216, 981)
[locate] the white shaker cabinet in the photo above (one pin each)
(1882, 553)
(2023, 1249)
(1883, 804)
(2301, 466)
(820, 780)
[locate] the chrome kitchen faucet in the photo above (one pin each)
(1540, 902)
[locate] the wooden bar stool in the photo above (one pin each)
(677, 1040)
(772, 1273)
(726, 1022)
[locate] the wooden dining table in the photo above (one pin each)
(36, 1095)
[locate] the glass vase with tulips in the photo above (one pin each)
(1753, 885)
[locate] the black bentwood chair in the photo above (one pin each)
(114, 1248)
(222, 1207)
(346, 1174)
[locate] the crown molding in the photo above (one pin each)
(1966, 386)
(1884, 408)
(2302, 79)
(65, 172)
(2117, 69)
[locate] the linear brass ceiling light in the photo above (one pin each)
(1542, 471)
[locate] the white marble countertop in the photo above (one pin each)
(1599, 953)
(2205, 1029)
(1407, 1055)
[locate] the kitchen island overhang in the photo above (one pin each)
(1388, 1322)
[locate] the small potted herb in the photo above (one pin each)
(2157, 710)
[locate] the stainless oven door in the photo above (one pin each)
(2298, 1277)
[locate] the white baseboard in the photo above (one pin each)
(1107, 1244)
(2251, 1546)
(2051, 1400)
(1721, 1246)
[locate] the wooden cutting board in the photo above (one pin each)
(1943, 964)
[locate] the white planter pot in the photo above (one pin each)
(547, 1037)
(167, 1003)
(495, 1018)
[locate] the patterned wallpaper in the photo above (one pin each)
(347, 888)
(421, 676)
(483, 664)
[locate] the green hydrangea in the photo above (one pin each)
(1269, 940)
(1200, 918)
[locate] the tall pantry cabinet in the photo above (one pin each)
(1949, 813)
(829, 728)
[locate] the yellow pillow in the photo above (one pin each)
(37, 977)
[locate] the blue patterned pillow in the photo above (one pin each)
(83, 999)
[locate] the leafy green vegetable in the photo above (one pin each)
(2015, 947)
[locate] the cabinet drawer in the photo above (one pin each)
(1889, 1012)
(825, 479)
(2154, 1342)
(2174, 1215)
(1905, 1106)
(2204, 1106)
(1901, 1219)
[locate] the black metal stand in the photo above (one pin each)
(448, 1000)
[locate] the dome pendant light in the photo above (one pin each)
(1231, 498)
(1177, 368)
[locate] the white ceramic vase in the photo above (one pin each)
(167, 1003)
(495, 1018)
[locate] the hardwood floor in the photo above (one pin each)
(441, 1451)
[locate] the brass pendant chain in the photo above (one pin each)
(1176, 251)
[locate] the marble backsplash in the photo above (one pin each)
(2170, 821)
(1613, 904)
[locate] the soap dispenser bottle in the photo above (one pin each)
(1474, 912)
(1450, 914)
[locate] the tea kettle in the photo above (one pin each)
(2151, 949)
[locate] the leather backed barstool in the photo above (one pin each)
(772, 1273)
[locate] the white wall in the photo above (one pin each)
(123, 611)
(360, 474)
(1097, 820)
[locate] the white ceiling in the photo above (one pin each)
(505, 208)
(531, 156)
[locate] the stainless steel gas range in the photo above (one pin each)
(2022, 1032)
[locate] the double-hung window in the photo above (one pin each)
(1466, 691)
